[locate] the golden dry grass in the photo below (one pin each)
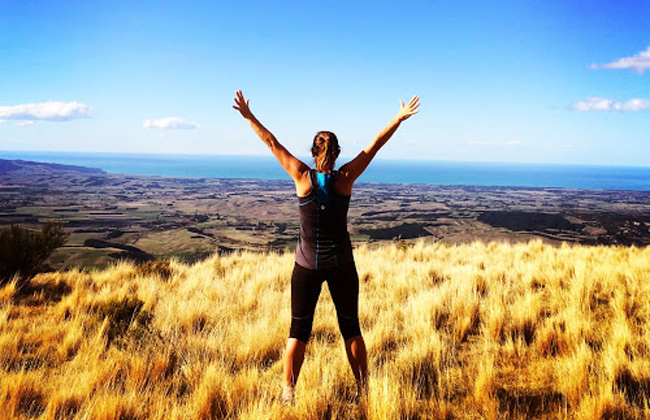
(469, 331)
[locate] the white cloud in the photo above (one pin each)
(512, 143)
(638, 63)
(49, 111)
(603, 104)
(170, 123)
(25, 123)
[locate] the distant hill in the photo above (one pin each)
(25, 166)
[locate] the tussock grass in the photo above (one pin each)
(470, 331)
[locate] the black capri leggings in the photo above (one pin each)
(343, 283)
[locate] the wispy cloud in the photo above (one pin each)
(170, 123)
(25, 123)
(47, 111)
(638, 63)
(603, 104)
(512, 143)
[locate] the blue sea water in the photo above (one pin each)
(380, 171)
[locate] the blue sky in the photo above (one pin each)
(511, 81)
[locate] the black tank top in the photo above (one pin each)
(324, 241)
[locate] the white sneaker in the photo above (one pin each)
(361, 396)
(288, 396)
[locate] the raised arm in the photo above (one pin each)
(294, 167)
(353, 169)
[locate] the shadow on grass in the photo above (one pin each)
(36, 294)
(529, 403)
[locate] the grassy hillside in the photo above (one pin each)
(472, 331)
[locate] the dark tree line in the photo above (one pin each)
(23, 251)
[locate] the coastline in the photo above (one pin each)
(426, 172)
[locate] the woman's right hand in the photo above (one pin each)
(406, 111)
(242, 105)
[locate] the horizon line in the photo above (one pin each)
(305, 157)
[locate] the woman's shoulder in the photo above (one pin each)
(342, 184)
(305, 182)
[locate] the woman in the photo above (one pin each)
(324, 251)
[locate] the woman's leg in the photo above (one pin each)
(358, 358)
(305, 290)
(344, 289)
(295, 354)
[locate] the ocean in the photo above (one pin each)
(380, 171)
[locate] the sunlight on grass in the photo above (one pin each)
(470, 331)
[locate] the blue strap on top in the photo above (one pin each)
(323, 188)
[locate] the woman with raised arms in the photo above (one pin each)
(324, 250)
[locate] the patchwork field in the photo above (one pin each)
(114, 217)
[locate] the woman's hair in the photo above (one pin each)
(325, 150)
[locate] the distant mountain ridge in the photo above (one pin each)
(7, 166)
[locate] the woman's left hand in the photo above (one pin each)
(242, 105)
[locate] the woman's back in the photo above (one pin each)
(324, 241)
